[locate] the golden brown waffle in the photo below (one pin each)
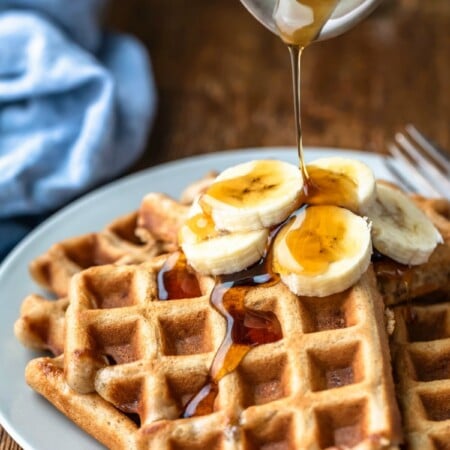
(40, 330)
(133, 238)
(41, 323)
(90, 412)
(325, 384)
(161, 217)
(421, 350)
(116, 243)
(110, 308)
(398, 283)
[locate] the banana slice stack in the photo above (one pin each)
(325, 225)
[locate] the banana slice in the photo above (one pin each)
(213, 252)
(254, 195)
(400, 230)
(341, 182)
(324, 250)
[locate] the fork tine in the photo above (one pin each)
(425, 186)
(428, 148)
(423, 165)
(398, 176)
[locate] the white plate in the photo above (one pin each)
(31, 421)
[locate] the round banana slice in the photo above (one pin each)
(213, 252)
(341, 182)
(254, 195)
(324, 250)
(400, 229)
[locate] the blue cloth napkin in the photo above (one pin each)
(76, 104)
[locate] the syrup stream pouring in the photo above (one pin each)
(301, 22)
(298, 23)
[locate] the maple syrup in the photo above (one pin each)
(386, 267)
(245, 328)
(203, 402)
(325, 187)
(320, 239)
(202, 226)
(176, 280)
(298, 26)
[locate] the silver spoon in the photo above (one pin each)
(346, 15)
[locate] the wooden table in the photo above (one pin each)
(224, 81)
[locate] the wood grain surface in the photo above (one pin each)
(224, 82)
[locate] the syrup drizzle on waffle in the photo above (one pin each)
(246, 328)
(324, 187)
(388, 268)
(177, 280)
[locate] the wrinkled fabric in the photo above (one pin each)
(76, 105)
(78, 19)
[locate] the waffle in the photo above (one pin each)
(41, 324)
(133, 238)
(421, 349)
(160, 216)
(117, 243)
(90, 412)
(438, 210)
(154, 229)
(325, 384)
(107, 319)
(398, 283)
(135, 362)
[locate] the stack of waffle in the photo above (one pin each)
(129, 363)
(420, 344)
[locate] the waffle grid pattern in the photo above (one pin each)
(133, 238)
(117, 243)
(41, 323)
(325, 384)
(421, 349)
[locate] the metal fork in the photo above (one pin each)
(418, 164)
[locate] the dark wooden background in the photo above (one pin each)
(224, 81)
